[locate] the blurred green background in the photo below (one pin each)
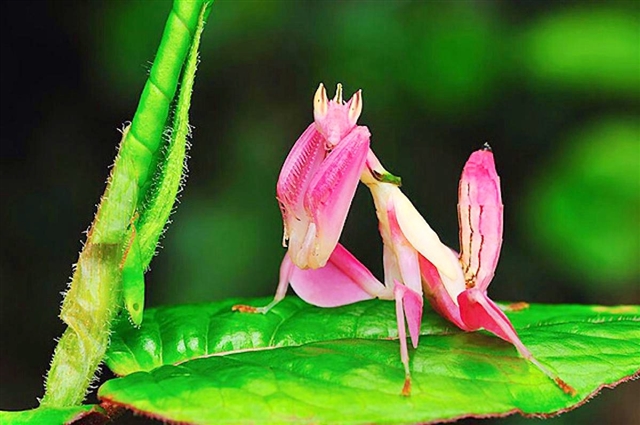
(553, 86)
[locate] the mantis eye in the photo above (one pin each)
(355, 107)
(320, 103)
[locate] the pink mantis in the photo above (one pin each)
(315, 188)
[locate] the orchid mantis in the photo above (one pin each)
(315, 189)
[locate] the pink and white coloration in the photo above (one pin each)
(342, 280)
(406, 238)
(315, 189)
(463, 299)
(345, 280)
(319, 178)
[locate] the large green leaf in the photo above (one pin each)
(206, 364)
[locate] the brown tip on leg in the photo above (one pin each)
(244, 308)
(519, 306)
(406, 389)
(568, 389)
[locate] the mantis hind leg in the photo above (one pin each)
(479, 312)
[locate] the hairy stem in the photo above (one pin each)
(95, 294)
(160, 199)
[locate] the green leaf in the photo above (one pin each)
(51, 415)
(206, 364)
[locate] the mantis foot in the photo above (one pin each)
(406, 389)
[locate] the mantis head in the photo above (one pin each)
(334, 119)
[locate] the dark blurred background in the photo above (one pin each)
(553, 86)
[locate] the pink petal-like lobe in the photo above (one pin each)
(319, 178)
(343, 280)
(480, 216)
(479, 312)
(421, 235)
(437, 295)
(297, 172)
(330, 193)
(412, 302)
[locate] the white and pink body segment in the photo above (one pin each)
(406, 238)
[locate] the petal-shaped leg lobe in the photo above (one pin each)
(343, 280)
(480, 217)
(437, 294)
(479, 312)
(441, 291)
(412, 303)
(331, 191)
(298, 170)
(303, 246)
(391, 267)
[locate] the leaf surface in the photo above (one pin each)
(205, 364)
(53, 415)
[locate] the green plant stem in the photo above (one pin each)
(144, 140)
(168, 182)
(95, 294)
